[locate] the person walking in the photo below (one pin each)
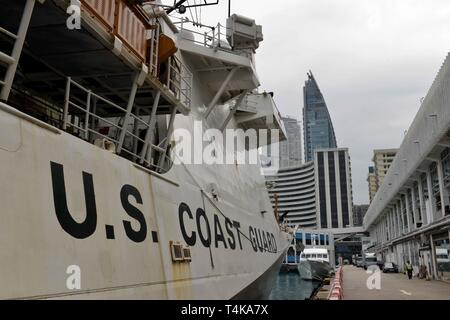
(409, 269)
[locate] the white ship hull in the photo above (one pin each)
(36, 250)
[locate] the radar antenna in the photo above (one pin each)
(182, 5)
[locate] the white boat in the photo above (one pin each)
(314, 264)
(94, 205)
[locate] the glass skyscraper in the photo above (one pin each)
(317, 125)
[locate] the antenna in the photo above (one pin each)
(181, 6)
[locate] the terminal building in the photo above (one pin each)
(409, 218)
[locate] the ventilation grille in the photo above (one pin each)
(177, 251)
(187, 254)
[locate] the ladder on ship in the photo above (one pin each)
(12, 60)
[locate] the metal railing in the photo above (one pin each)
(179, 80)
(11, 61)
(81, 117)
(215, 37)
(154, 48)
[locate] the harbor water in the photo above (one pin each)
(290, 286)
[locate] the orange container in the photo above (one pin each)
(103, 10)
(131, 30)
(166, 48)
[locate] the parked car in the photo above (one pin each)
(390, 267)
(359, 262)
(370, 261)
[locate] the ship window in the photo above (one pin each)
(308, 256)
(313, 255)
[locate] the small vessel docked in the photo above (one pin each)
(314, 264)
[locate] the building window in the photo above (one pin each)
(322, 196)
(298, 237)
(308, 239)
(445, 157)
(423, 180)
(435, 185)
(343, 185)
(333, 195)
(322, 239)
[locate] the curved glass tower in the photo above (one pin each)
(317, 125)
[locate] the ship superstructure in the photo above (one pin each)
(87, 172)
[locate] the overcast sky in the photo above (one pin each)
(373, 60)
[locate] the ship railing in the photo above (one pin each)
(10, 61)
(214, 38)
(154, 48)
(132, 26)
(179, 80)
(82, 118)
(179, 77)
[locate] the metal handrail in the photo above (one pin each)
(180, 81)
(179, 78)
(87, 127)
(8, 33)
(211, 39)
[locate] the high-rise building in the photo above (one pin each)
(318, 129)
(373, 184)
(382, 159)
(293, 194)
(334, 198)
(358, 214)
(291, 149)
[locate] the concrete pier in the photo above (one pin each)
(393, 286)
